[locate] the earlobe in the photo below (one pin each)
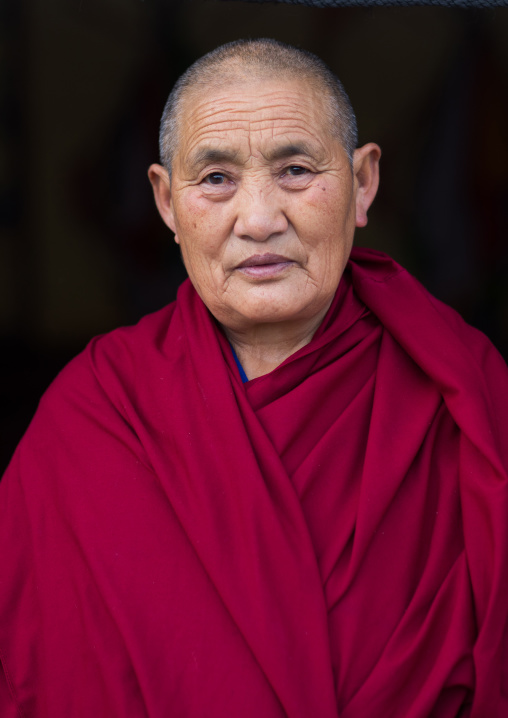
(366, 172)
(161, 185)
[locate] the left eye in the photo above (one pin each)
(215, 178)
(296, 170)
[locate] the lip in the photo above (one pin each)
(264, 266)
(258, 260)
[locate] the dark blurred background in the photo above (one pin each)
(82, 87)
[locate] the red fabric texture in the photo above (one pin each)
(328, 540)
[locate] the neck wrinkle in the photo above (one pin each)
(259, 354)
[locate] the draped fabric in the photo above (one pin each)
(330, 539)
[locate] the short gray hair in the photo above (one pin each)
(263, 56)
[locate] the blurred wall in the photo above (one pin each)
(82, 87)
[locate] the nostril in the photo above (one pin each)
(260, 225)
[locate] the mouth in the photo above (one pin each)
(264, 266)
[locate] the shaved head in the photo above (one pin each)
(246, 60)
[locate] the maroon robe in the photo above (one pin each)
(328, 540)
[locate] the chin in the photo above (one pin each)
(269, 315)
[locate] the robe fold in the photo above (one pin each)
(328, 540)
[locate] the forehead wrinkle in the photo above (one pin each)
(244, 97)
(211, 139)
(241, 103)
(207, 115)
(210, 124)
(275, 126)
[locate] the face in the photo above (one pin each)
(263, 202)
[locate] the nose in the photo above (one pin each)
(259, 214)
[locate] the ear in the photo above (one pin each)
(366, 172)
(161, 185)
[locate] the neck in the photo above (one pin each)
(262, 348)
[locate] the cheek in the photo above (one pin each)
(333, 200)
(325, 216)
(202, 235)
(326, 229)
(190, 216)
(201, 228)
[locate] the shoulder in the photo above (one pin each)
(112, 357)
(406, 306)
(462, 362)
(93, 395)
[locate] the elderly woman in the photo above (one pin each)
(286, 493)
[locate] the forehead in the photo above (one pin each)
(253, 115)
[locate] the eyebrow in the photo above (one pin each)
(208, 155)
(290, 150)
